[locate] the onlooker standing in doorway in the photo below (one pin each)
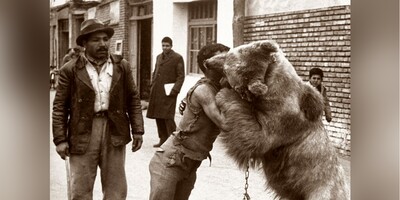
(70, 54)
(315, 78)
(169, 71)
(96, 110)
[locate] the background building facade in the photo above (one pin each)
(311, 33)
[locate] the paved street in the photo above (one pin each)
(222, 181)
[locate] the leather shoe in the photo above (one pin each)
(157, 145)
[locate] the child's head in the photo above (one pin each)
(315, 76)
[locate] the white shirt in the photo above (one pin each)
(101, 84)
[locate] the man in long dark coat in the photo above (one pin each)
(169, 71)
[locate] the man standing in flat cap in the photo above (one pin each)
(95, 111)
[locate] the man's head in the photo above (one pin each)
(315, 76)
(166, 43)
(70, 51)
(77, 49)
(206, 52)
(95, 37)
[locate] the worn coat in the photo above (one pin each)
(327, 108)
(73, 107)
(167, 70)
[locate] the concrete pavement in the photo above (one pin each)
(222, 180)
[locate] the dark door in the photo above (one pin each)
(63, 40)
(144, 57)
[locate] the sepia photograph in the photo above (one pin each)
(200, 99)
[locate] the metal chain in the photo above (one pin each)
(246, 185)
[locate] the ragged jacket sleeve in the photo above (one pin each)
(327, 108)
(61, 106)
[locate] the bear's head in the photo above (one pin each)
(246, 66)
(260, 70)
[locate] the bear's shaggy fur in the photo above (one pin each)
(273, 120)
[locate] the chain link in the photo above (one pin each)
(246, 185)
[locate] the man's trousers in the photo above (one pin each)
(172, 176)
(100, 153)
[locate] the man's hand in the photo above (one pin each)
(182, 106)
(63, 149)
(137, 142)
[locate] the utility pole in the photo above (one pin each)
(238, 22)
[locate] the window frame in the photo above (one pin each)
(209, 20)
(114, 12)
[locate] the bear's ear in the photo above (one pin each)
(269, 46)
(215, 62)
(265, 49)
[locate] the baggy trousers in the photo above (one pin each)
(111, 161)
(172, 177)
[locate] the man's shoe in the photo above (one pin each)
(159, 149)
(157, 145)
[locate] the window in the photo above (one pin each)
(91, 13)
(118, 47)
(202, 30)
(141, 10)
(114, 12)
(199, 36)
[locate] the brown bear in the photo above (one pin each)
(273, 121)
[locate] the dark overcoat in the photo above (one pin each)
(73, 107)
(168, 69)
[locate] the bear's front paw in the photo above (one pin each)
(257, 88)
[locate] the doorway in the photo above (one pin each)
(63, 40)
(144, 57)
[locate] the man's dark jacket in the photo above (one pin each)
(167, 70)
(73, 107)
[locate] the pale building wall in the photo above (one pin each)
(180, 29)
(171, 19)
(54, 3)
(257, 7)
(162, 26)
(180, 37)
(224, 22)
